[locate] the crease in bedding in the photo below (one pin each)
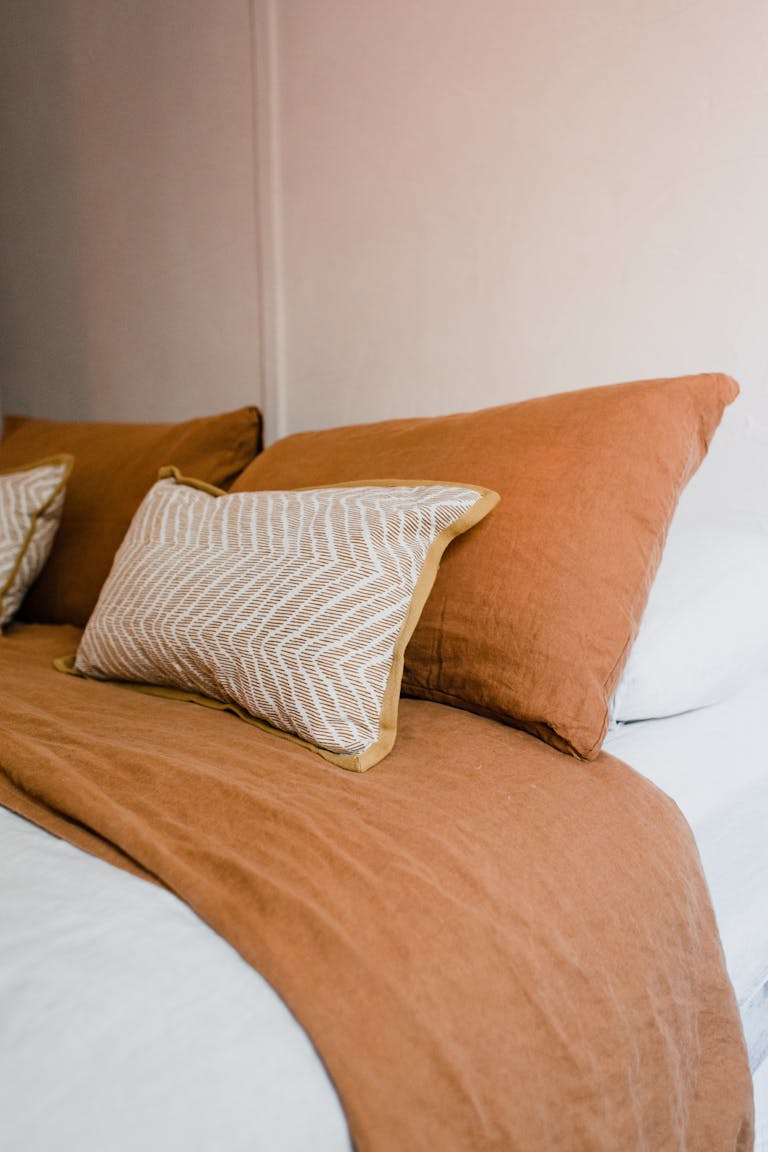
(754, 1010)
(490, 944)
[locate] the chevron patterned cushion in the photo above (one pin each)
(31, 503)
(291, 608)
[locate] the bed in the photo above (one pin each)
(208, 1057)
(501, 937)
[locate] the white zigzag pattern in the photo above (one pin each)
(288, 604)
(23, 496)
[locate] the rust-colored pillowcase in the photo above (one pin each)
(115, 466)
(532, 614)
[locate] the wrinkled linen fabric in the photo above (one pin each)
(223, 1063)
(567, 896)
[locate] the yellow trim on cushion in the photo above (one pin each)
(63, 459)
(67, 664)
(170, 472)
(390, 700)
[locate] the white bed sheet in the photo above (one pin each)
(714, 763)
(126, 1023)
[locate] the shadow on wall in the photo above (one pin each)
(42, 329)
(130, 286)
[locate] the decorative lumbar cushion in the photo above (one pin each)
(294, 608)
(115, 466)
(533, 614)
(31, 503)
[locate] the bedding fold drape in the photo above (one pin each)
(491, 945)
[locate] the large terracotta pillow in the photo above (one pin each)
(115, 466)
(532, 615)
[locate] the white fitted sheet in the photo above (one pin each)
(126, 1023)
(714, 763)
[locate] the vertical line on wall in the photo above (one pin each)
(268, 212)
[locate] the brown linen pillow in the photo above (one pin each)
(532, 614)
(115, 466)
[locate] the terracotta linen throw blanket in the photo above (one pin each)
(491, 945)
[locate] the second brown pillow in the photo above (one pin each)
(115, 466)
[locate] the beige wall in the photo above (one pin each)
(485, 201)
(456, 203)
(129, 286)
